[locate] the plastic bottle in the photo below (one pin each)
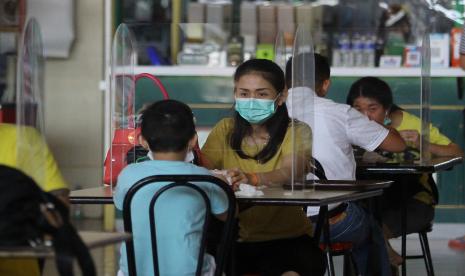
(336, 53)
(369, 51)
(357, 50)
(346, 54)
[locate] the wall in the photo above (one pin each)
(74, 103)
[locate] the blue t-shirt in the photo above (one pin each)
(179, 219)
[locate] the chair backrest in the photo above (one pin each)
(176, 181)
(318, 169)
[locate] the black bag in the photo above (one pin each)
(27, 214)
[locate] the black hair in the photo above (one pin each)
(167, 125)
(322, 70)
(276, 125)
(374, 88)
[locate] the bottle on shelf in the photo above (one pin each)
(357, 49)
(345, 50)
(336, 59)
(235, 50)
(369, 50)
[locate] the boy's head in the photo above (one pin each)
(322, 73)
(168, 126)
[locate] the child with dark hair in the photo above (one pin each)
(336, 127)
(168, 131)
(373, 97)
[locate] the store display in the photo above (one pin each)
(390, 61)
(248, 26)
(440, 49)
(246, 32)
(266, 23)
(456, 34)
(195, 17)
(412, 56)
(9, 13)
(265, 51)
(285, 20)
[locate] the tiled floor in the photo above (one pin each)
(446, 262)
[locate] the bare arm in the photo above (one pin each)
(393, 142)
(451, 149)
(272, 178)
(446, 150)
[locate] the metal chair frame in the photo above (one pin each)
(180, 181)
(350, 267)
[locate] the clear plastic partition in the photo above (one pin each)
(30, 144)
(301, 104)
(124, 136)
(425, 154)
(280, 55)
(208, 55)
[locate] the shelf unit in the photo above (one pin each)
(200, 71)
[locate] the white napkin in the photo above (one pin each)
(223, 173)
(248, 190)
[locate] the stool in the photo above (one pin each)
(342, 249)
(426, 253)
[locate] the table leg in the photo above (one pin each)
(109, 258)
(319, 223)
(323, 222)
(403, 227)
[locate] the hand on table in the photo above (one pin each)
(411, 137)
(237, 177)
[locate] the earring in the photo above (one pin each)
(387, 120)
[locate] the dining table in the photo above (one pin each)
(92, 239)
(397, 170)
(319, 193)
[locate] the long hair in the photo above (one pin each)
(373, 88)
(276, 125)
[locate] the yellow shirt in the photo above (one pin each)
(412, 122)
(261, 223)
(36, 159)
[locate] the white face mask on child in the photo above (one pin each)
(189, 156)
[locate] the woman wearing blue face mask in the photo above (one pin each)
(255, 147)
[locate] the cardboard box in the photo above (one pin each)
(285, 22)
(390, 61)
(304, 15)
(248, 25)
(195, 19)
(412, 56)
(267, 23)
(440, 50)
(219, 21)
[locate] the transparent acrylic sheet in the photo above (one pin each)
(280, 51)
(123, 113)
(425, 154)
(31, 148)
(301, 104)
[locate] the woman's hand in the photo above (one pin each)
(237, 177)
(411, 137)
